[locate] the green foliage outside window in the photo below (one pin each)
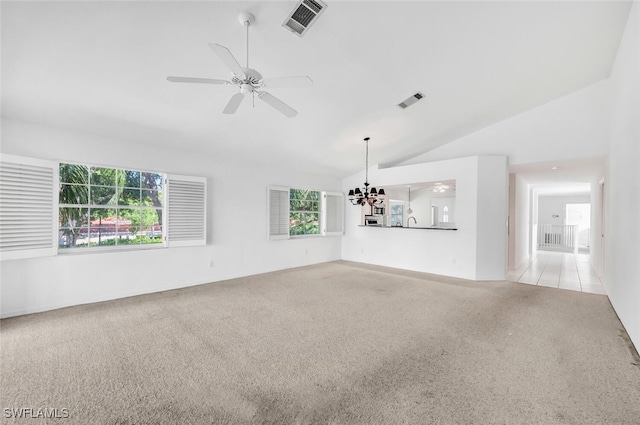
(304, 215)
(108, 206)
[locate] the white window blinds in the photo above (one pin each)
(186, 210)
(333, 214)
(28, 207)
(278, 208)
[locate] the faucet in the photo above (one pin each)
(414, 221)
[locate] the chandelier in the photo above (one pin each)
(365, 195)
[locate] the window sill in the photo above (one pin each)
(108, 249)
(305, 236)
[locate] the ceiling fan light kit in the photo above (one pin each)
(248, 80)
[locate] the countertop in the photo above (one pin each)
(405, 227)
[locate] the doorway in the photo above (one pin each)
(580, 215)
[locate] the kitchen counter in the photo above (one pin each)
(405, 227)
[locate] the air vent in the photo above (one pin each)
(304, 14)
(410, 101)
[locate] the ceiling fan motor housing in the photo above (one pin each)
(253, 77)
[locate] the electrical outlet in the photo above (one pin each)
(210, 264)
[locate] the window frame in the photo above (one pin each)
(276, 214)
(89, 205)
(319, 213)
(393, 203)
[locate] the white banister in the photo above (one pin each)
(558, 237)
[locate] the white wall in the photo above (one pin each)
(480, 222)
(595, 251)
(236, 239)
(556, 205)
(519, 221)
(574, 126)
(511, 240)
(492, 209)
(622, 183)
(523, 221)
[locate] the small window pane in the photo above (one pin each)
(103, 176)
(72, 238)
(103, 195)
(102, 226)
(129, 197)
(150, 217)
(152, 180)
(151, 234)
(128, 225)
(73, 217)
(129, 178)
(72, 173)
(151, 198)
(73, 194)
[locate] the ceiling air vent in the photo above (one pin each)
(410, 101)
(304, 14)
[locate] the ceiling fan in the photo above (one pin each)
(248, 80)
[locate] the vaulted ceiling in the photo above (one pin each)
(101, 67)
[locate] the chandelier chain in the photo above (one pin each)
(364, 196)
(366, 170)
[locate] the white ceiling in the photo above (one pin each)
(567, 177)
(101, 67)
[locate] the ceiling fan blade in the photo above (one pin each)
(233, 104)
(293, 82)
(225, 55)
(197, 80)
(277, 103)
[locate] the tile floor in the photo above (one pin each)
(559, 270)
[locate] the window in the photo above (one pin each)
(397, 214)
(101, 206)
(48, 207)
(303, 212)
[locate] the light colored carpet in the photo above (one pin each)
(336, 343)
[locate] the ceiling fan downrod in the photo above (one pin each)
(247, 19)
